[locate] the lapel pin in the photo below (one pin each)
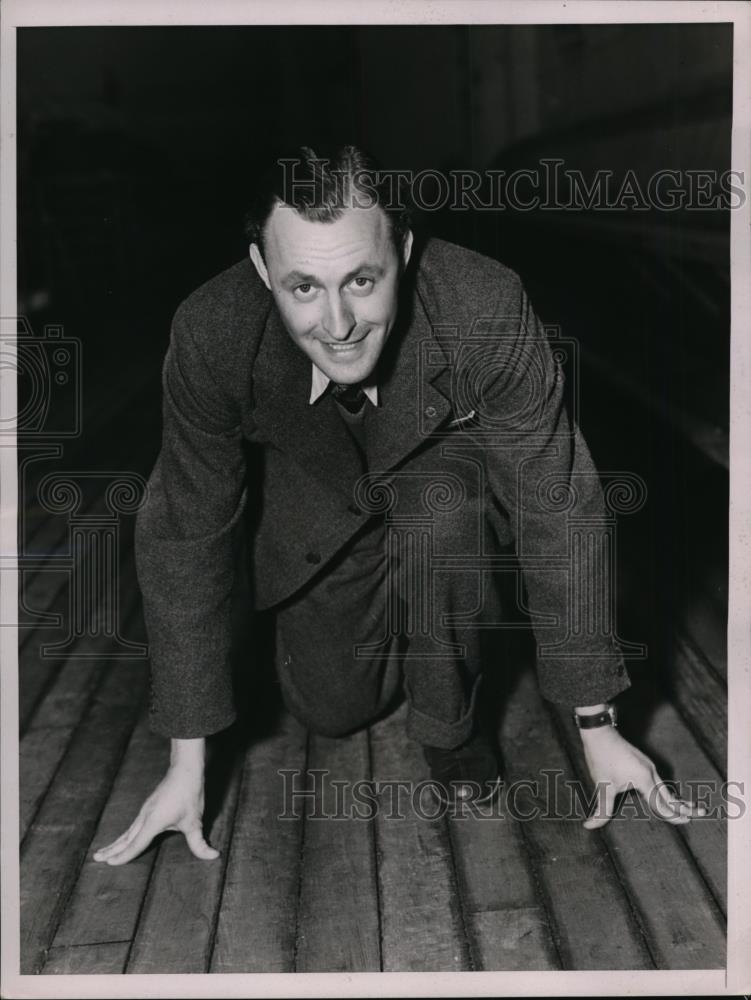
(462, 420)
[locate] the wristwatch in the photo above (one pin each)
(607, 718)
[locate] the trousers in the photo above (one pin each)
(380, 623)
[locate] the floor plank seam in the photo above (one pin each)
(47, 728)
(698, 734)
(78, 858)
(543, 899)
(141, 706)
(688, 628)
(376, 855)
(89, 702)
(470, 945)
(59, 910)
(300, 860)
(687, 638)
(32, 632)
(685, 847)
(24, 725)
(211, 943)
(86, 944)
(633, 907)
(631, 903)
(155, 849)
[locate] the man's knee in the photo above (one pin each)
(334, 717)
(340, 696)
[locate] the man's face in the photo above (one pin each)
(335, 285)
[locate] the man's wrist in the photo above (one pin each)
(188, 755)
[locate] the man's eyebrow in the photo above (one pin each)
(300, 277)
(371, 270)
(297, 277)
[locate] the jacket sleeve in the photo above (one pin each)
(185, 545)
(540, 469)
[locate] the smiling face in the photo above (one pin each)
(335, 285)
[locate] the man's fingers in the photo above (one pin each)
(137, 844)
(604, 810)
(692, 808)
(657, 796)
(139, 835)
(104, 853)
(673, 809)
(683, 805)
(198, 845)
(137, 839)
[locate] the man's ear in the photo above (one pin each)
(407, 248)
(259, 264)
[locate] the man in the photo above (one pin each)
(375, 413)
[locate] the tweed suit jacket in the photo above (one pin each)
(467, 365)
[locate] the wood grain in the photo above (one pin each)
(592, 920)
(106, 901)
(422, 927)
(338, 920)
(679, 916)
(39, 756)
(59, 837)
(679, 757)
(64, 702)
(702, 700)
(176, 929)
(505, 916)
(101, 959)
(705, 620)
(256, 926)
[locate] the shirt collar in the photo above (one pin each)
(319, 384)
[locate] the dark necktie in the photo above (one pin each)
(351, 397)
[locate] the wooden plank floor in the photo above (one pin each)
(332, 859)
(311, 878)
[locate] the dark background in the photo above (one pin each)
(138, 149)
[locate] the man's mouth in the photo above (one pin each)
(342, 348)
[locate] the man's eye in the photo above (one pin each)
(303, 290)
(361, 283)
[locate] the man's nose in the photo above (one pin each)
(338, 321)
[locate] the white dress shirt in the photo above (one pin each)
(319, 384)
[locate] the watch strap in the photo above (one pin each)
(606, 718)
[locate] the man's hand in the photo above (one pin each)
(615, 766)
(175, 804)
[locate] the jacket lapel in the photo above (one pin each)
(414, 381)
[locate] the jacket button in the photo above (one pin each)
(430, 411)
(354, 509)
(313, 557)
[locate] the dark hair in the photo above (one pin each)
(321, 187)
